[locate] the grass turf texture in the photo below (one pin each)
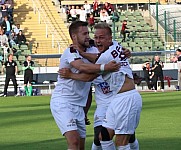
(26, 123)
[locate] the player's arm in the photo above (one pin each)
(95, 68)
(90, 56)
(16, 70)
(93, 57)
(68, 74)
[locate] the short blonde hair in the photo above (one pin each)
(103, 25)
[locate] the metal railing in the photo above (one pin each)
(50, 29)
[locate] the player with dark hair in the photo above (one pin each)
(28, 67)
(70, 96)
(11, 71)
(120, 119)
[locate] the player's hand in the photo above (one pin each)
(65, 73)
(126, 52)
(112, 66)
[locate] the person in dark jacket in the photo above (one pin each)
(148, 74)
(158, 72)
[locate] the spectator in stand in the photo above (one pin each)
(2, 2)
(6, 26)
(91, 22)
(4, 11)
(148, 74)
(77, 12)
(11, 71)
(4, 42)
(104, 16)
(73, 13)
(110, 9)
(17, 29)
(96, 8)
(68, 13)
(87, 8)
(124, 31)
(10, 6)
(21, 39)
(178, 52)
(12, 39)
(82, 14)
(158, 72)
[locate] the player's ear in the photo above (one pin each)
(73, 36)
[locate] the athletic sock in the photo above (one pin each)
(134, 145)
(95, 147)
(26, 91)
(126, 147)
(108, 145)
(30, 90)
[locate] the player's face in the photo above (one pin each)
(82, 36)
(102, 39)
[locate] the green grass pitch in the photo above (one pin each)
(26, 123)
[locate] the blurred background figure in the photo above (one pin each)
(178, 52)
(124, 31)
(148, 74)
(158, 72)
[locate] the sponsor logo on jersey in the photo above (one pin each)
(104, 87)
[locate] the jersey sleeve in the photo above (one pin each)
(15, 64)
(25, 64)
(72, 55)
(179, 58)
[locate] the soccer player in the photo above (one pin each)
(70, 96)
(122, 116)
(11, 71)
(28, 67)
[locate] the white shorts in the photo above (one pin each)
(123, 113)
(99, 115)
(69, 117)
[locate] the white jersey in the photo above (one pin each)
(115, 79)
(72, 91)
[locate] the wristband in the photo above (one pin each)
(102, 67)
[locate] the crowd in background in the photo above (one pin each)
(10, 33)
(83, 13)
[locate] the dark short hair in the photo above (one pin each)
(179, 50)
(73, 28)
(103, 25)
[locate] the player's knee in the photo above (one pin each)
(97, 131)
(104, 135)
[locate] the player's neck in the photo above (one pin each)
(79, 47)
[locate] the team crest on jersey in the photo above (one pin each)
(104, 87)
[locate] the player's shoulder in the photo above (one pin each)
(70, 50)
(115, 45)
(92, 49)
